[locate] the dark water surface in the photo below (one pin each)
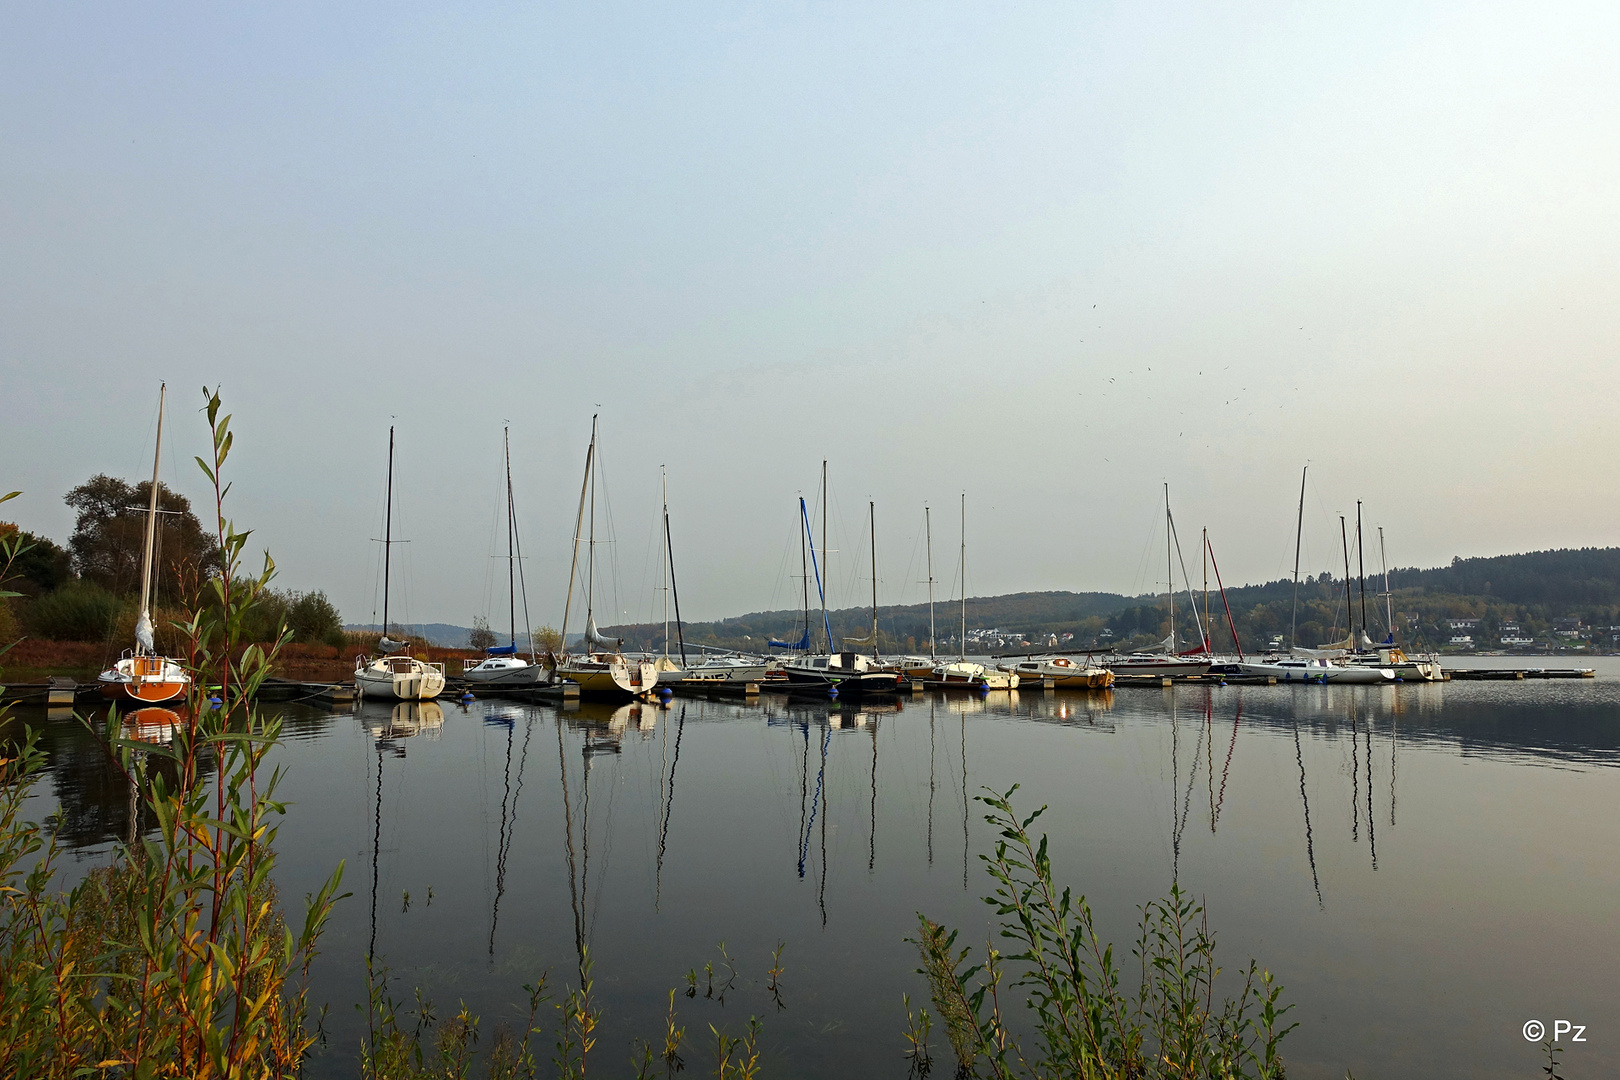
(1424, 867)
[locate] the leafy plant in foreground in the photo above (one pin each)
(174, 961)
(1087, 1023)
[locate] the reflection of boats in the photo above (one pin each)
(1065, 673)
(393, 674)
(140, 674)
(151, 725)
(406, 720)
(502, 668)
(602, 671)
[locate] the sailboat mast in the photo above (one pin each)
(664, 481)
(804, 576)
(1361, 571)
(964, 577)
(827, 627)
(590, 550)
(928, 527)
(1349, 617)
(579, 519)
(388, 529)
(1389, 611)
(669, 553)
(151, 516)
(1299, 534)
(1169, 569)
(1209, 627)
(511, 529)
(871, 511)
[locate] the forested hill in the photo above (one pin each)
(1568, 577)
(898, 625)
(1534, 590)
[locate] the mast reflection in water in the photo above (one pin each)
(660, 834)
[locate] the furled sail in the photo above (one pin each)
(803, 644)
(143, 632)
(593, 636)
(385, 644)
(860, 642)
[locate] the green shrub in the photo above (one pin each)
(78, 611)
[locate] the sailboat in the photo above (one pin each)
(602, 671)
(391, 674)
(845, 672)
(502, 668)
(1169, 662)
(963, 671)
(141, 675)
(922, 667)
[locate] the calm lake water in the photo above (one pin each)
(1424, 867)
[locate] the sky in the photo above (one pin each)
(1049, 256)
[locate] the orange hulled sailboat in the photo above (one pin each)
(141, 675)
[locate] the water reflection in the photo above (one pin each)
(741, 865)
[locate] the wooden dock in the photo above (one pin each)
(1515, 674)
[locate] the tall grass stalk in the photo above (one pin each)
(176, 959)
(1088, 1022)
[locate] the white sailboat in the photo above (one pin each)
(962, 671)
(502, 668)
(602, 670)
(141, 675)
(393, 674)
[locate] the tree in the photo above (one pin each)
(548, 639)
(482, 637)
(110, 536)
(41, 566)
(314, 620)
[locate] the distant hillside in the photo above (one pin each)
(441, 634)
(1532, 591)
(900, 627)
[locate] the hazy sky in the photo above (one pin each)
(1051, 255)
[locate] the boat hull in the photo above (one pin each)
(1064, 673)
(1158, 667)
(399, 679)
(1353, 675)
(610, 680)
(857, 682)
(525, 677)
(145, 680)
